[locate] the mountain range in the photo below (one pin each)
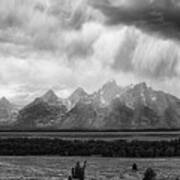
(111, 107)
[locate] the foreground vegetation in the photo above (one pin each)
(118, 148)
(58, 168)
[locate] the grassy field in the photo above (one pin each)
(148, 136)
(97, 168)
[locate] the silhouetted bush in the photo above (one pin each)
(134, 167)
(149, 174)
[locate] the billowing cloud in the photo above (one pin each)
(40, 25)
(63, 44)
(160, 16)
(79, 44)
(147, 56)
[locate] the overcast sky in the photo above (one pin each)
(64, 44)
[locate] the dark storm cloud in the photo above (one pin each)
(152, 15)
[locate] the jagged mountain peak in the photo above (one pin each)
(4, 101)
(79, 91)
(78, 95)
(107, 93)
(136, 106)
(141, 85)
(110, 87)
(110, 83)
(8, 111)
(50, 92)
(140, 89)
(50, 96)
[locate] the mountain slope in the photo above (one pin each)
(111, 107)
(107, 93)
(79, 95)
(51, 98)
(134, 107)
(8, 112)
(81, 116)
(158, 103)
(40, 114)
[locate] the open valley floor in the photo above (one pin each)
(53, 167)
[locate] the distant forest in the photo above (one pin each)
(50, 130)
(118, 148)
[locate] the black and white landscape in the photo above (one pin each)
(96, 78)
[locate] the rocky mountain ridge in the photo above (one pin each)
(111, 107)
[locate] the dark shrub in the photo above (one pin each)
(149, 174)
(134, 167)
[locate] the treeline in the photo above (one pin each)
(118, 148)
(54, 129)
